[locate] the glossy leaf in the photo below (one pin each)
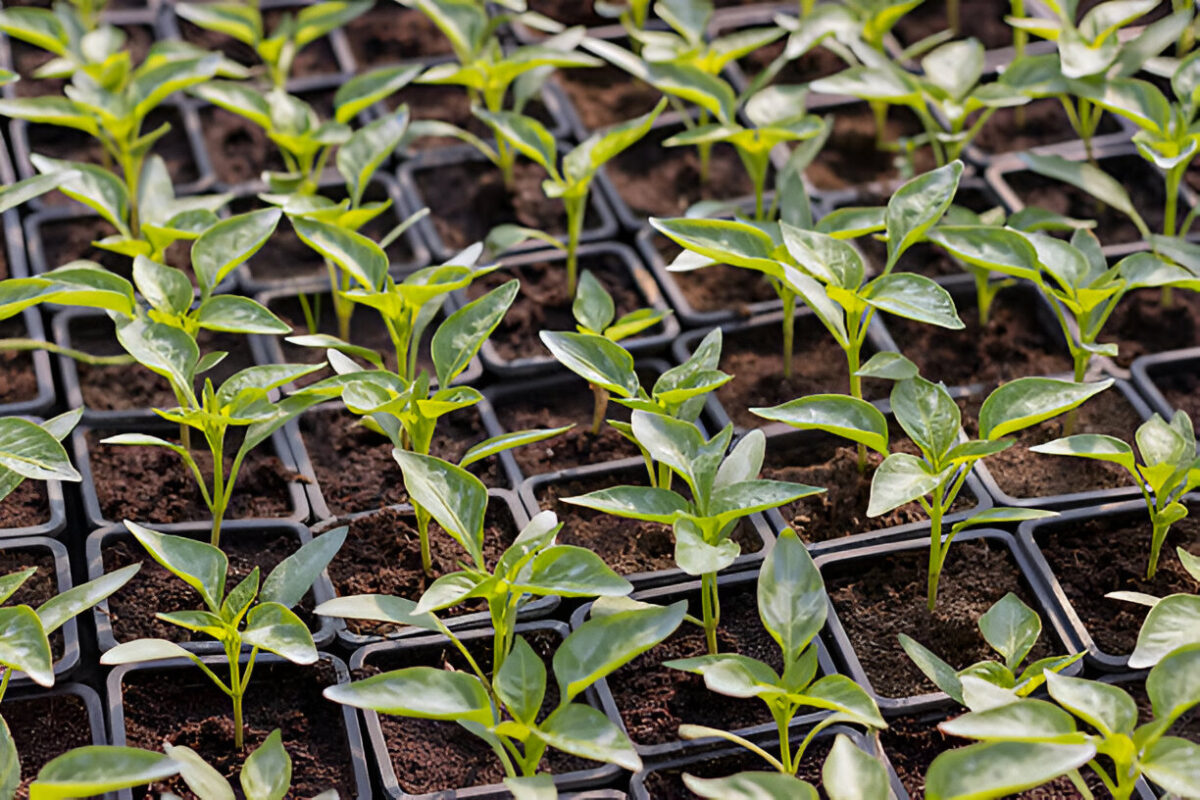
(459, 338)
(848, 417)
(96, 769)
(1011, 628)
(267, 773)
(1172, 623)
(422, 692)
(55, 612)
(597, 360)
(360, 257)
(900, 479)
(851, 774)
(1091, 179)
(1107, 708)
(791, 596)
(917, 206)
(586, 732)
(272, 627)
(453, 496)
(751, 786)
(24, 646)
(294, 576)
(196, 563)
(225, 246)
(998, 769)
(1025, 402)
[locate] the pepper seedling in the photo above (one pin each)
(254, 615)
(1011, 629)
(792, 606)
(32, 450)
(1023, 743)
(1169, 468)
(1173, 621)
(724, 488)
(932, 420)
(293, 32)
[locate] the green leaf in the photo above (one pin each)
(1091, 179)
(593, 306)
(634, 502)
(1011, 628)
(521, 682)
(1174, 684)
(55, 612)
(738, 244)
(751, 786)
(900, 479)
(163, 349)
(235, 314)
(272, 627)
(364, 90)
(316, 20)
(732, 675)
(32, 452)
(528, 136)
(507, 441)
(696, 556)
(839, 693)
(228, 244)
(453, 496)
(998, 769)
(569, 571)
(1023, 720)
(586, 732)
(1001, 515)
(943, 676)
(295, 575)
(928, 415)
(791, 596)
(200, 777)
(10, 583)
(141, 650)
(91, 185)
(243, 23)
(237, 98)
(21, 192)
(1091, 445)
(1025, 402)
(537, 787)
(24, 646)
(1105, 707)
(1174, 764)
(913, 297)
(367, 148)
(421, 692)
(841, 415)
(917, 206)
(377, 608)
(599, 361)
(354, 253)
(459, 338)
(267, 773)
(851, 774)
(890, 366)
(10, 763)
(96, 769)
(1172, 623)
(196, 563)
(997, 249)
(601, 147)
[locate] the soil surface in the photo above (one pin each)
(452, 104)
(25, 506)
(983, 20)
(719, 287)
(1181, 388)
(133, 618)
(878, 598)
(430, 756)
(240, 150)
(544, 304)
(605, 95)
(70, 239)
(18, 380)
(816, 63)
(1140, 325)
(850, 156)
(655, 700)
(153, 485)
(44, 728)
(37, 589)
(316, 58)
(628, 546)
(354, 466)
(1091, 558)
(189, 710)
(382, 555)
(666, 783)
(1045, 123)
(386, 35)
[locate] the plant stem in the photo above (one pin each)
(599, 408)
(236, 691)
(880, 109)
(712, 612)
(852, 359)
(576, 207)
(4, 681)
(423, 532)
(952, 16)
(1082, 359)
(937, 554)
(785, 746)
(1174, 177)
(1159, 537)
(789, 330)
(219, 497)
(78, 355)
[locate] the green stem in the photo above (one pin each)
(4, 681)
(708, 596)
(576, 208)
(236, 690)
(1159, 537)
(600, 407)
(880, 109)
(78, 355)
(937, 554)
(1082, 359)
(785, 746)
(789, 330)
(852, 362)
(423, 533)
(219, 496)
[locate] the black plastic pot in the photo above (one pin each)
(843, 649)
(94, 515)
(534, 608)
(603, 257)
(414, 648)
(28, 324)
(92, 706)
(241, 530)
(1154, 374)
(603, 225)
(1033, 532)
(172, 668)
(532, 491)
(57, 551)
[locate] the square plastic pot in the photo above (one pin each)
(843, 649)
(54, 525)
(242, 531)
(1152, 374)
(596, 696)
(57, 552)
(28, 325)
(531, 608)
(277, 446)
(93, 708)
(350, 731)
(625, 265)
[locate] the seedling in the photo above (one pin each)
(98, 769)
(293, 32)
(932, 421)
(1024, 743)
(1169, 468)
(1010, 628)
(530, 138)
(724, 488)
(1173, 621)
(248, 615)
(30, 450)
(792, 606)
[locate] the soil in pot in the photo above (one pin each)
(44, 728)
(430, 756)
(1144, 185)
(18, 380)
(1181, 387)
(1093, 557)
(40, 587)
(658, 181)
(628, 546)
(382, 555)
(27, 59)
(182, 707)
(605, 95)
(544, 304)
(1045, 122)
(26, 506)
(816, 63)
(1013, 344)
(153, 485)
(666, 783)
(1141, 325)
(316, 58)
(355, 469)
(982, 20)
(71, 239)
(240, 150)
(1020, 473)
(850, 157)
(452, 104)
(716, 288)
(466, 200)
(754, 357)
(133, 618)
(878, 598)
(386, 35)
(654, 700)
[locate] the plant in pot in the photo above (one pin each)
(932, 420)
(723, 487)
(250, 614)
(1172, 623)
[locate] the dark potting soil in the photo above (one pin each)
(1021, 473)
(606, 95)
(18, 380)
(719, 287)
(182, 707)
(430, 756)
(133, 618)
(25, 506)
(842, 509)
(1145, 187)
(850, 157)
(316, 58)
(658, 181)
(754, 357)
(982, 20)
(386, 35)
(666, 783)
(878, 598)
(382, 555)
(816, 63)
(1014, 343)
(240, 150)
(1045, 122)
(544, 304)
(654, 700)
(1093, 557)
(468, 199)
(355, 469)
(67, 240)
(44, 728)
(128, 387)
(452, 104)
(1181, 388)
(628, 546)
(37, 589)
(153, 485)
(1141, 325)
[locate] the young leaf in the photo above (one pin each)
(423, 692)
(751, 786)
(1011, 628)
(791, 596)
(1027, 401)
(96, 769)
(851, 774)
(998, 769)
(916, 206)
(453, 496)
(267, 773)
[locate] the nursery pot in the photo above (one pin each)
(28, 372)
(1165, 379)
(52, 578)
(54, 721)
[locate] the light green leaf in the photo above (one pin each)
(791, 596)
(421, 692)
(272, 627)
(998, 769)
(1025, 402)
(225, 246)
(599, 361)
(453, 496)
(917, 206)
(196, 563)
(751, 786)
(55, 612)
(267, 773)
(900, 479)
(96, 769)
(1091, 179)
(24, 646)
(1105, 707)
(851, 774)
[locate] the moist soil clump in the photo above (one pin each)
(1140, 325)
(189, 710)
(850, 156)
(386, 35)
(1091, 558)
(1045, 123)
(878, 598)
(43, 728)
(666, 783)
(18, 379)
(26, 506)
(605, 95)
